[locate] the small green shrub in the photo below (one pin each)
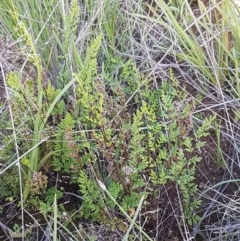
(159, 141)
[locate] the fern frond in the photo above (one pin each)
(72, 20)
(66, 151)
(67, 123)
(90, 64)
